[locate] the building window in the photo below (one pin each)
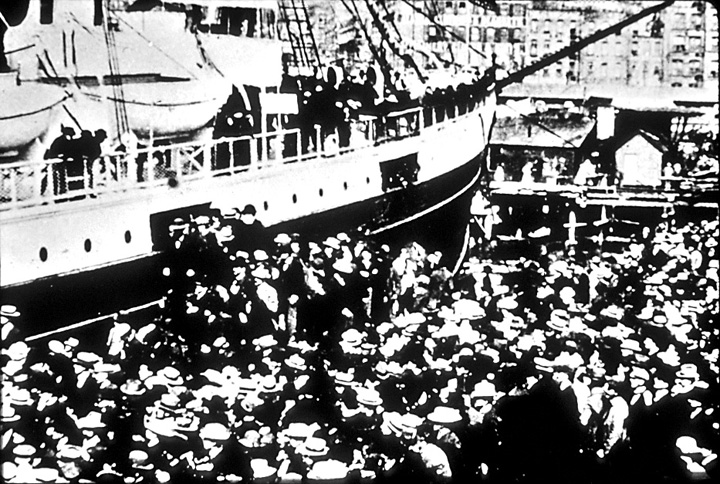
(533, 48)
(503, 35)
(516, 35)
(534, 25)
(677, 67)
(474, 34)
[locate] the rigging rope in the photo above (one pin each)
(118, 99)
(381, 61)
(386, 37)
(443, 28)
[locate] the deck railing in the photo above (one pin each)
(32, 183)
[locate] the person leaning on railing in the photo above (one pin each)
(62, 148)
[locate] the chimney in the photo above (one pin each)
(605, 122)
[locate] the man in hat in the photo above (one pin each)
(8, 318)
(249, 234)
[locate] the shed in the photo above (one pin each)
(639, 159)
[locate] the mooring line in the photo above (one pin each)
(93, 321)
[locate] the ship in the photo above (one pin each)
(101, 241)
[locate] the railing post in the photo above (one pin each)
(318, 140)
(176, 163)
(207, 159)
(298, 142)
(37, 179)
(13, 185)
(231, 153)
(254, 162)
(151, 164)
(265, 146)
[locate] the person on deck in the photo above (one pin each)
(62, 148)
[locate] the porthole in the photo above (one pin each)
(43, 254)
(88, 245)
(367, 180)
(128, 236)
(345, 185)
(265, 205)
(294, 198)
(321, 192)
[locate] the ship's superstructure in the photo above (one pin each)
(115, 208)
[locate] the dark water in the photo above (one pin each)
(535, 361)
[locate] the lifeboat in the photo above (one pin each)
(164, 108)
(26, 111)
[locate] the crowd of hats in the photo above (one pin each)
(338, 360)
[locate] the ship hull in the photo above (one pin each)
(57, 255)
(434, 216)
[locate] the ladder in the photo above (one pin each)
(305, 54)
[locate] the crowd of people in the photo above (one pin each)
(279, 358)
(334, 99)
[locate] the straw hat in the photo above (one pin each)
(352, 337)
(45, 474)
(9, 311)
(25, 450)
(296, 362)
(688, 371)
(559, 320)
(139, 459)
(314, 446)
(270, 384)
(444, 415)
(171, 375)
(368, 397)
(9, 470)
(343, 265)
(262, 470)
(87, 358)
(214, 431)
(9, 414)
(92, 421)
(630, 345)
(267, 341)
(133, 387)
(332, 242)
(69, 453)
(484, 390)
(21, 397)
(18, 351)
(346, 379)
(328, 471)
